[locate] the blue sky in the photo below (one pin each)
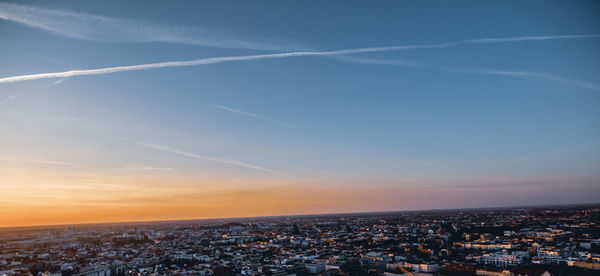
(504, 114)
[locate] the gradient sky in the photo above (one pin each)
(479, 123)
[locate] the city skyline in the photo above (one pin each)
(115, 112)
(508, 241)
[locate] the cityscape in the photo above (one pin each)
(562, 240)
(299, 138)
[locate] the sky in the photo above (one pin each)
(146, 110)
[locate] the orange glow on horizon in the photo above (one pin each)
(54, 197)
(42, 195)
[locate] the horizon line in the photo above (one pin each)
(8, 228)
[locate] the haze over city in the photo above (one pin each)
(114, 111)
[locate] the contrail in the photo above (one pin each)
(535, 75)
(196, 156)
(481, 71)
(258, 116)
(204, 61)
(41, 161)
(112, 29)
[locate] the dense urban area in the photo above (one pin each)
(562, 240)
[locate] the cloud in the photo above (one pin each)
(523, 158)
(196, 156)
(58, 81)
(156, 169)
(7, 98)
(212, 60)
(258, 116)
(112, 29)
(480, 71)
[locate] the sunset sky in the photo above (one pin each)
(232, 109)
